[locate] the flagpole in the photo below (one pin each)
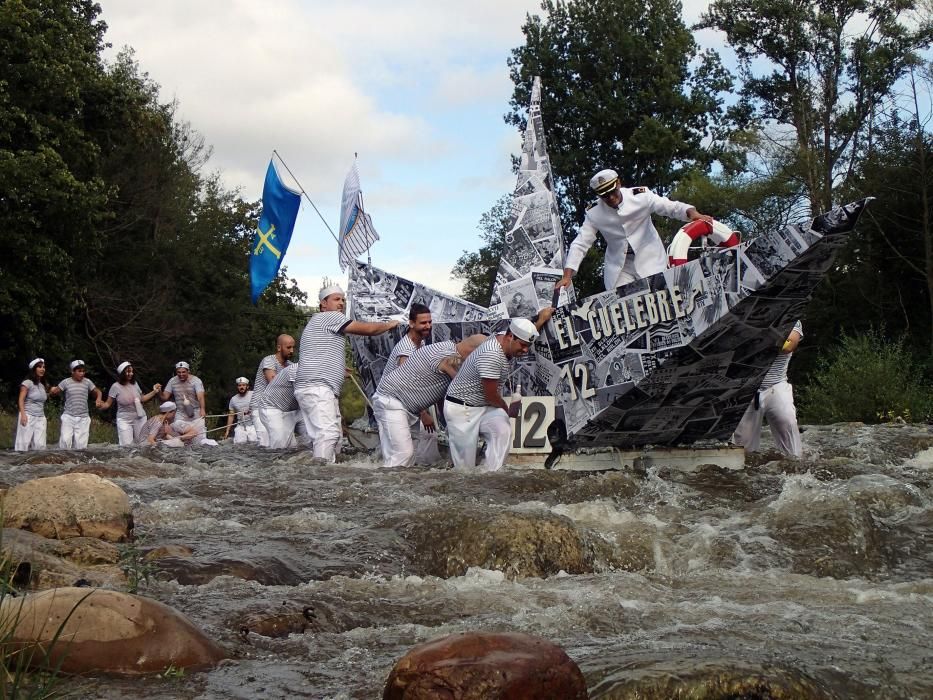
(282, 160)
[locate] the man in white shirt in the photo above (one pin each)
(239, 409)
(268, 368)
(623, 216)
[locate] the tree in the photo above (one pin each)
(478, 270)
(623, 86)
(828, 66)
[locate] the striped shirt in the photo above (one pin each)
(76, 394)
(322, 358)
(280, 393)
(777, 373)
(153, 427)
(240, 405)
(36, 396)
(190, 388)
(125, 396)
(488, 361)
(260, 383)
(403, 348)
(419, 383)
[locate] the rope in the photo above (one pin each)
(365, 397)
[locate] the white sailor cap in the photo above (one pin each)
(327, 291)
(523, 329)
(75, 364)
(242, 380)
(604, 181)
(122, 366)
(167, 406)
(182, 365)
(34, 362)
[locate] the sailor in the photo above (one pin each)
(623, 216)
(410, 389)
(165, 429)
(130, 399)
(34, 391)
(474, 405)
(187, 392)
(322, 368)
(238, 407)
(419, 331)
(278, 409)
(774, 402)
(268, 368)
(76, 419)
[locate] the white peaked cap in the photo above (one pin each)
(167, 406)
(33, 363)
(523, 329)
(122, 366)
(182, 365)
(76, 363)
(242, 380)
(604, 181)
(327, 291)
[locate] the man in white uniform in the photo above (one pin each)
(410, 389)
(239, 409)
(322, 369)
(76, 419)
(278, 409)
(774, 402)
(419, 331)
(265, 373)
(623, 216)
(474, 405)
(187, 392)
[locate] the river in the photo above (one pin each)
(814, 576)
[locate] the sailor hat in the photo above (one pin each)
(182, 365)
(167, 406)
(604, 181)
(75, 364)
(327, 291)
(122, 366)
(33, 363)
(523, 329)
(242, 380)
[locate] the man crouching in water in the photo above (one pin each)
(164, 429)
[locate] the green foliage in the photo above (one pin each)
(869, 379)
(124, 248)
(134, 565)
(478, 270)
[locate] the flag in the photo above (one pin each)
(279, 211)
(356, 228)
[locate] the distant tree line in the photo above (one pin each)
(830, 103)
(117, 243)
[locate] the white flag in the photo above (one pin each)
(356, 228)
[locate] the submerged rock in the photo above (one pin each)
(43, 563)
(91, 630)
(70, 505)
(486, 666)
(449, 541)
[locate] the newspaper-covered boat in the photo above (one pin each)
(668, 360)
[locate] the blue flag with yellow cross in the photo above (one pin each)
(273, 233)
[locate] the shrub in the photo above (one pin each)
(867, 378)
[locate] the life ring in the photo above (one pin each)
(717, 232)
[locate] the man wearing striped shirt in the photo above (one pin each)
(265, 373)
(322, 368)
(474, 405)
(410, 389)
(774, 402)
(278, 409)
(76, 419)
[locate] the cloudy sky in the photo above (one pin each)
(418, 89)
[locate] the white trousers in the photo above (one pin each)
(280, 427)
(244, 433)
(75, 432)
(127, 429)
(776, 405)
(201, 437)
(626, 274)
(320, 410)
(398, 430)
(465, 424)
(32, 435)
(262, 435)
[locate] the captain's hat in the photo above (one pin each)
(604, 181)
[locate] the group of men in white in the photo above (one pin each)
(298, 402)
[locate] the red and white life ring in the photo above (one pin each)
(718, 233)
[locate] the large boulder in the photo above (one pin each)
(92, 630)
(486, 666)
(70, 505)
(42, 563)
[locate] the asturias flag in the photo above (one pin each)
(279, 211)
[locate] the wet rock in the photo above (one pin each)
(45, 563)
(449, 541)
(710, 681)
(191, 572)
(70, 505)
(486, 666)
(277, 623)
(91, 630)
(178, 551)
